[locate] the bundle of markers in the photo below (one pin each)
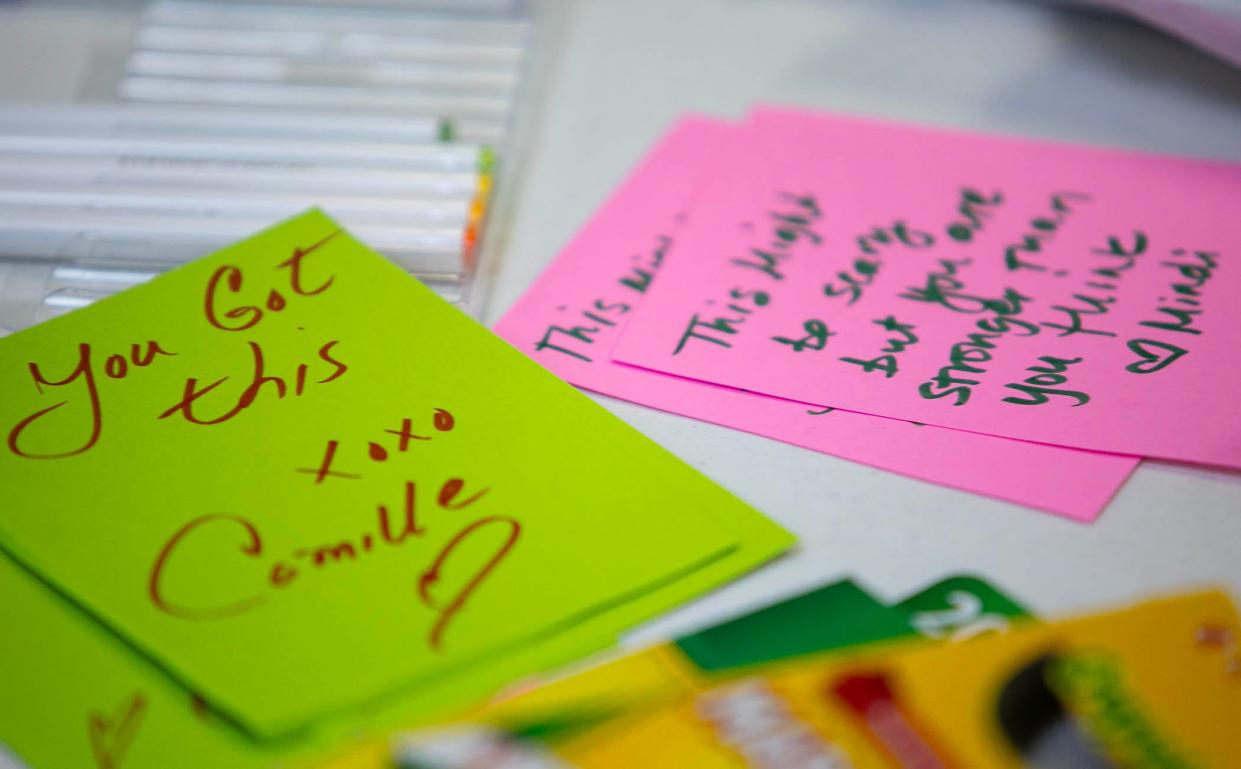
(956, 675)
(233, 115)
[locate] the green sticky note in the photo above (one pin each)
(76, 697)
(301, 484)
(76, 694)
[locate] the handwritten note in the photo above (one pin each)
(1051, 293)
(300, 482)
(570, 320)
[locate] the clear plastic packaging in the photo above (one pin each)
(404, 119)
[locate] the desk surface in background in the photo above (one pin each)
(625, 70)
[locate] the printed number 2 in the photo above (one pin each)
(963, 621)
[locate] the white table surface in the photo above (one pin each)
(626, 70)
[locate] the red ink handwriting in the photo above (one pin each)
(230, 279)
(111, 736)
(253, 548)
(83, 377)
(452, 495)
(442, 421)
(259, 379)
(432, 575)
(325, 467)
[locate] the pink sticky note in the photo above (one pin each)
(1052, 293)
(573, 315)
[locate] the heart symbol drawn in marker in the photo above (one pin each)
(1155, 355)
(110, 737)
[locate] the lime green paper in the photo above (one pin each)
(243, 556)
(75, 697)
(62, 674)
